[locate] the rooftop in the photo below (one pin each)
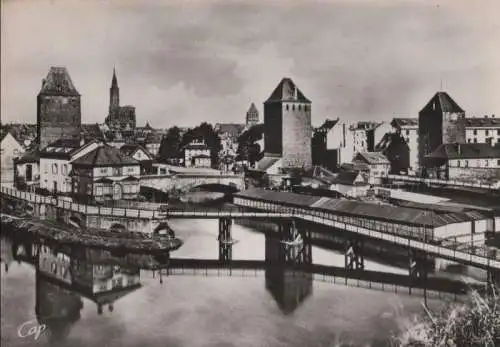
(253, 109)
(405, 122)
(465, 151)
(327, 125)
(62, 148)
(444, 103)
(371, 158)
(287, 91)
(233, 129)
(105, 156)
(486, 122)
(58, 82)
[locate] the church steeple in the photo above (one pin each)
(114, 93)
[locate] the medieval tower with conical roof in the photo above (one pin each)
(440, 121)
(58, 108)
(252, 116)
(287, 123)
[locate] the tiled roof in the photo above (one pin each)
(346, 178)
(62, 148)
(482, 122)
(465, 151)
(253, 109)
(285, 197)
(371, 158)
(233, 129)
(30, 157)
(266, 162)
(58, 82)
(105, 156)
(405, 122)
(327, 125)
(130, 148)
(444, 103)
(287, 91)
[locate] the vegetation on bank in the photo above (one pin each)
(475, 323)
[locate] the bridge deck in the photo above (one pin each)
(436, 181)
(481, 260)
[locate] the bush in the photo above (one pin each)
(475, 323)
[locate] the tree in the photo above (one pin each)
(171, 144)
(204, 132)
(248, 148)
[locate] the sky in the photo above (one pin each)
(184, 62)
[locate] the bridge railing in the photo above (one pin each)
(480, 257)
(443, 182)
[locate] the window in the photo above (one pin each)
(293, 107)
(468, 140)
(475, 132)
(487, 132)
(54, 168)
(117, 171)
(287, 107)
(498, 132)
(300, 107)
(466, 163)
(498, 162)
(98, 191)
(458, 163)
(103, 170)
(65, 169)
(475, 140)
(407, 132)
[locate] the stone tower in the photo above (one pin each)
(58, 107)
(440, 121)
(287, 125)
(114, 93)
(252, 116)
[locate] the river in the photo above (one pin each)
(197, 310)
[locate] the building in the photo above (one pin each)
(441, 121)
(140, 154)
(58, 107)
(104, 174)
(27, 170)
(152, 143)
(396, 149)
(228, 134)
(10, 150)
(377, 162)
(408, 129)
(252, 116)
(287, 121)
(465, 161)
(197, 154)
(55, 163)
(350, 183)
(482, 130)
(25, 134)
(119, 117)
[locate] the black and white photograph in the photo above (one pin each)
(250, 173)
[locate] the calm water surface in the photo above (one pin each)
(195, 310)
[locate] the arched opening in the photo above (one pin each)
(117, 227)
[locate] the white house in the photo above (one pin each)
(10, 149)
(408, 129)
(377, 162)
(482, 130)
(55, 163)
(195, 153)
(27, 170)
(350, 183)
(105, 173)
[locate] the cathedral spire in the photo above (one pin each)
(114, 92)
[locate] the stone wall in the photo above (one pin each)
(297, 134)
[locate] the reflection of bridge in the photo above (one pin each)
(440, 182)
(419, 248)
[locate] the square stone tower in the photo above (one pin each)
(287, 125)
(58, 108)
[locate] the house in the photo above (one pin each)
(482, 130)
(396, 149)
(152, 142)
(377, 162)
(197, 153)
(407, 128)
(140, 154)
(465, 161)
(105, 173)
(350, 183)
(27, 170)
(55, 163)
(228, 134)
(10, 149)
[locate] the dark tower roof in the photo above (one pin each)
(58, 82)
(287, 91)
(252, 109)
(444, 103)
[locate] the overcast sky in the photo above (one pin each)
(182, 62)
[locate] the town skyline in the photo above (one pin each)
(189, 64)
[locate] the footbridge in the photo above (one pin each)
(419, 247)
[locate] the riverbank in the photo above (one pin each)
(126, 241)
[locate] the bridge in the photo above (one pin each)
(288, 232)
(186, 182)
(441, 182)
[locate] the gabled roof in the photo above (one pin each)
(346, 178)
(29, 157)
(487, 122)
(465, 151)
(444, 103)
(253, 109)
(287, 91)
(405, 122)
(233, 129)
(129, 149)
(104, 156)
(389, 139)
(327, 125)
(371, 158)
(58, 82)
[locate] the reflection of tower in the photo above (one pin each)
(56, 307)
(289, 286)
